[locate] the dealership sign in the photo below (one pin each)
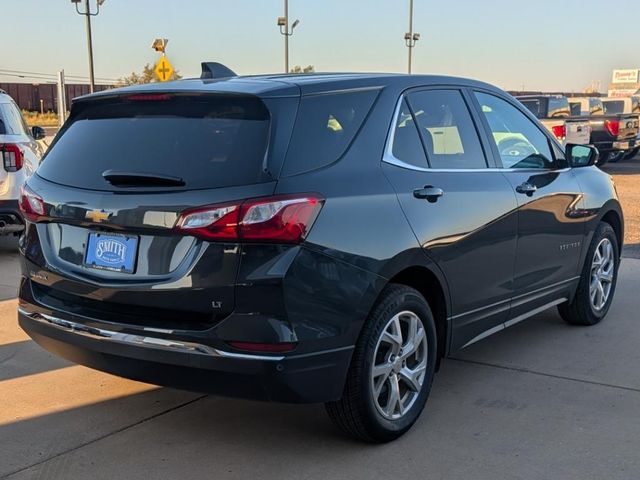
(625, 76)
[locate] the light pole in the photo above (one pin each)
(88, 14)
(283, 23)
(411, 38)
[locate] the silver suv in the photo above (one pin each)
(20, 154)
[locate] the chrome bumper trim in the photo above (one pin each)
(140, 340)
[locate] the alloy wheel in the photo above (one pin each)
(602, 273)
(400, 364)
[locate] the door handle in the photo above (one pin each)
(429, 193)
(526, 188)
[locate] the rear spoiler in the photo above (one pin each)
(216, 70)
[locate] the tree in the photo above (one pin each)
(299, 69)
(148, 75)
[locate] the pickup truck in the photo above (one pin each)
(626, 105)
(555, 114)
(613, 134)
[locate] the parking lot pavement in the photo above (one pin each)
(9, 269)
(539, 400)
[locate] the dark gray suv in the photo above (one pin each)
(312, 238)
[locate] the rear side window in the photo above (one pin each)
(208, 141)
(613, 107)
(448, 133)
(407, 146)
(11, 121)
(325, 126)
(575, 109)
(559, 107)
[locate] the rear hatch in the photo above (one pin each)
(578, 131)
(115, 182)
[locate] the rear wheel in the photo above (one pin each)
(632, 153)
(597, 282)
(615, 156)
(391, 370)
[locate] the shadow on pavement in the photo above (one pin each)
(23, 358)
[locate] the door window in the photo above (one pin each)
(447, 130)
(520, 143)
(11, 121)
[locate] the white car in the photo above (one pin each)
(20, 154)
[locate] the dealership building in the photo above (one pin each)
(625, 83)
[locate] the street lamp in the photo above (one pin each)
(88, 14)
(410, 38)
(283, 23)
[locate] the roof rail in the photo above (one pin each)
(216, 70)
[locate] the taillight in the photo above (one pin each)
(12, 157)
(31, 205)
(279, 219)
(613, 127)
(559, 131)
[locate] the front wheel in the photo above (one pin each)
(391, 370)
(597, 282)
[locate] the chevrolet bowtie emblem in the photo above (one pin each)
(97, 215)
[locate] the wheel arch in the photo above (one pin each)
(614, 218)
(433, 288)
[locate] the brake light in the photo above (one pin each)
(263, 347)
(31, 205)
(149, 97)
(613, 127)
(559, 131)
(278, 219)
(12, 157)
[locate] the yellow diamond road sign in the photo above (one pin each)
(163, 69)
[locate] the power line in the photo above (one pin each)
(50, 75)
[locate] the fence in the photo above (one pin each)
(29, 95)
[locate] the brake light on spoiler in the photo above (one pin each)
(277, 219)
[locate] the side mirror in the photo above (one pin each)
(581, 155)
(38, 133)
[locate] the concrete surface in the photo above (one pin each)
(541, 400)
(9, 268)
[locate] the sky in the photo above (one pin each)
(536, 44)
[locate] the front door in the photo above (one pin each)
(462, 212)
(550, 220)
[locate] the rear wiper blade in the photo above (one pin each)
(143, 179)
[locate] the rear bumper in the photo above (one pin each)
(153, 358)
(10, 217)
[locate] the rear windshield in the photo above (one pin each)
(207, 141)
(614, 107)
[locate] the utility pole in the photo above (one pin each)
(62, 99)
(410, 38)
(88, 14)
(283, 23)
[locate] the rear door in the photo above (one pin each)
(461, 209)
(550, 217)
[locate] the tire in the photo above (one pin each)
(581, 310)
(614, 157)
(631, 154)
(360, 413)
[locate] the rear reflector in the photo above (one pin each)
(31, 205)
(278, 219)
(264, 347)
(12, 157)
(559, 131)
(613, 127)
